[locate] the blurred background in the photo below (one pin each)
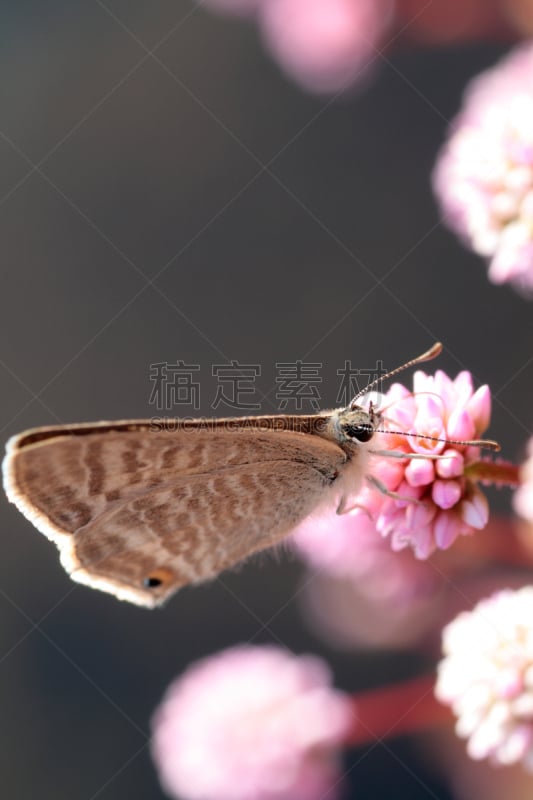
(167, 192)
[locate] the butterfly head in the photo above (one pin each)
(356, 424)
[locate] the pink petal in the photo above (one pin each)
(464, 387)
(398, 392)
(444, 388)
(427, 427)
(446, 494)
(422, 382)
(479, 408)
(402, 416)
(452, 466)
(419, 515)
(400, 540)
(461, 425)
(408, 491)
(389, 472)
(505, 266)
(446, 529)
(517, 746)
(475, 511)
(420, 472)
(424, 543)
(390, 521)
(428, 406)
(509, 682)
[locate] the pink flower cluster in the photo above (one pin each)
(325, 45)
(251, 723)
(484, 175)
(487, 677)
(439, 500)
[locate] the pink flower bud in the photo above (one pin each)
(420, 472)
(461, 425)
(389, 471)
(479, 408)
(445, 529)
(429, 408)
(452, 466)
(419, 514)
(424, 543)
(463, 387)
(509, 683)
(446, 494)
(475, 510)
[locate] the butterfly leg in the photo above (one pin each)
(345, 509)
(382, 489)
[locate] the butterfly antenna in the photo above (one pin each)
(487, 444)
(433, 352)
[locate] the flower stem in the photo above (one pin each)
(395, 710)
(501, 473)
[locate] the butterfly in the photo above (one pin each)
(140, 508)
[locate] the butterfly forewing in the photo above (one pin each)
(139, 511)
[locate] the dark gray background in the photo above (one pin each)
(274, 225)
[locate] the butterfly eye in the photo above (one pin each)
(363, 433)
(157, 578)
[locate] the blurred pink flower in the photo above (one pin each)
(325, 45)
(345, 616)
(440, 498)
(486, 677)
(363, 593)
(251, 723)
(484, 175)
(348, 546)
(523, 498)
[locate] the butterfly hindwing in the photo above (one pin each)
(140, 513)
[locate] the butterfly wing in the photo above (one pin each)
(139, 512)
